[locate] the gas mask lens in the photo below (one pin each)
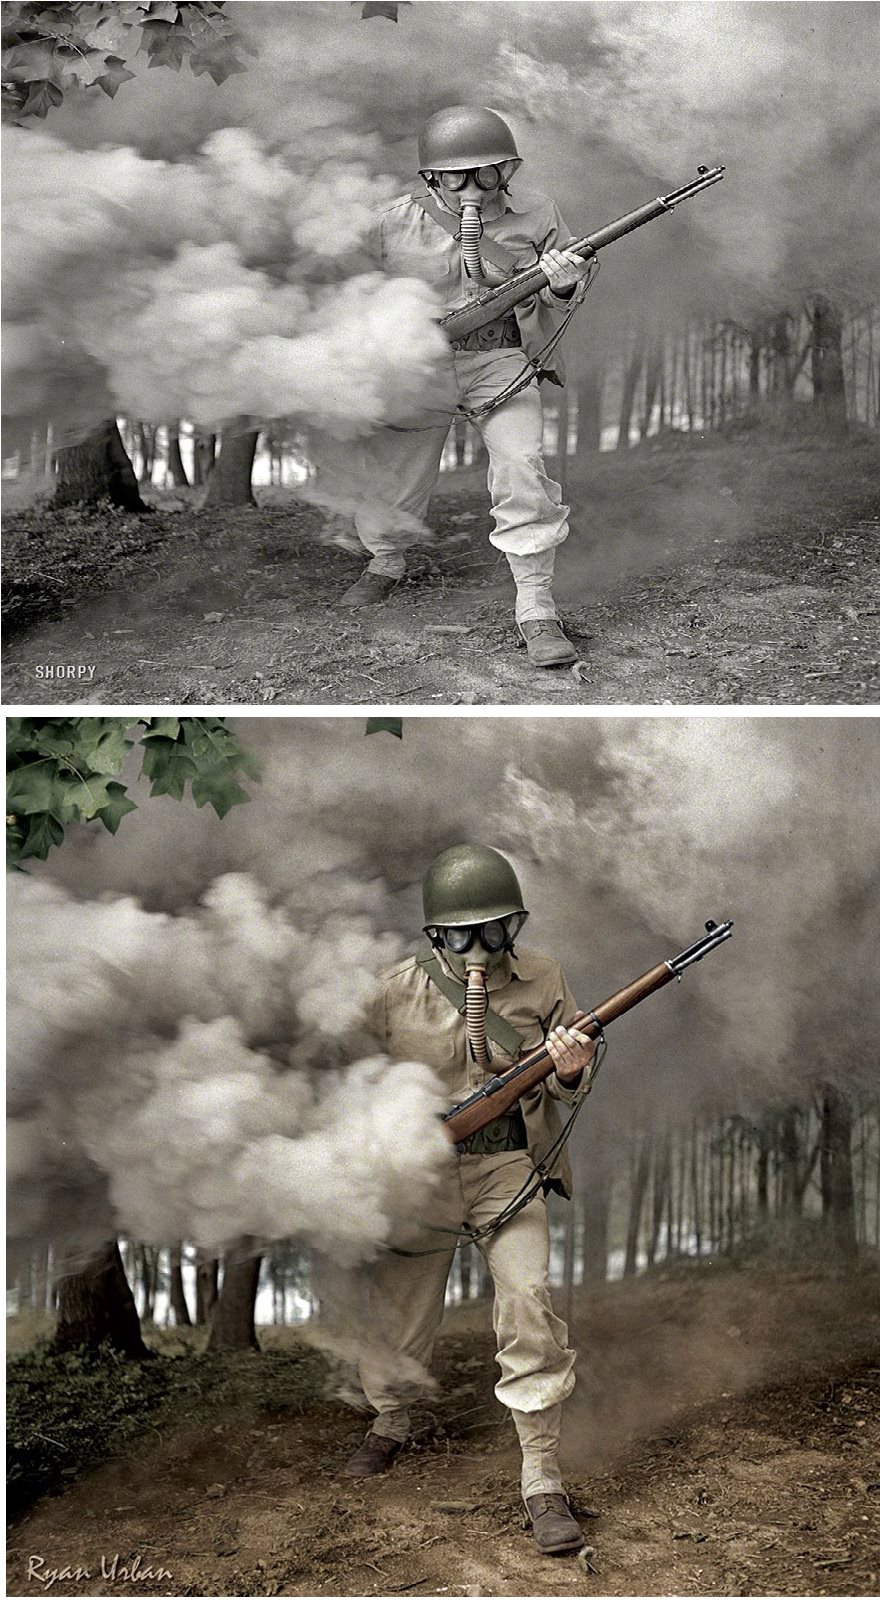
(484, 177)
(493, 936)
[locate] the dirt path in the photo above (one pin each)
(723, 1439)
(728, 575)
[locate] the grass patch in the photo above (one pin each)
(68, 1413)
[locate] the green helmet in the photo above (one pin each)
(460, 137)
(467, 884)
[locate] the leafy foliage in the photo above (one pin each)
(64, 769)
(66, 1413)
(50, 49)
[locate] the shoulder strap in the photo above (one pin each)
(500, 1032)
(490, 248)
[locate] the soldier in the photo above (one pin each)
(436, 1009)
(461, 229)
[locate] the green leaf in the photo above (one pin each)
(215, 786)
(79, 799)
(110, 751)
(169, 765)
(31, 788)
(385, 725)
(44, 831)
(119, 805)
(161, 728)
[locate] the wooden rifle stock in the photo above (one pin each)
(498, 1095)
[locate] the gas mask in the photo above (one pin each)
(472, 952)
(467, 191)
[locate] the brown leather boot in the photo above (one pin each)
(554, 1527)
(375, 1455)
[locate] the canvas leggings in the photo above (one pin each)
(404, 1302)
(399, 468)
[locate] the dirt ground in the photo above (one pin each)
(724, 1439)
(733, 572)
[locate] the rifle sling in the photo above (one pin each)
(500, 1032)
(489, 248)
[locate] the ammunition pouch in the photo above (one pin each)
(507, 1132)
(502, 334)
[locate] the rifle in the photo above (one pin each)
(493, 303)
(499, 1094)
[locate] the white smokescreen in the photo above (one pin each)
(192, 250)
(186, 1002)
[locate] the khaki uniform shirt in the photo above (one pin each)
(407, 243)
(414, 1021)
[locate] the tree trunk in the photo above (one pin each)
(40, 1279)
(146, 1267)
(789, 1161)
(176, 1293)
(95, 470)
(631, 374)
(229, 481)
(658, 1198)
(204, 455)
(595, 1221)
(589, 412)
(96, 1305)
(838, 1204)
(207, 1278)
(829, 389)
(233, 1321)
(176, 469)
(653, 371)
(641, 1171)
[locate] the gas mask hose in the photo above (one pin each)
(476, 1004)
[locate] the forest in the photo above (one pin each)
(201, 1154)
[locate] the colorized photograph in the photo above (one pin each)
(441, 353)
(444, 1155)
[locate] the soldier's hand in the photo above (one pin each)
(570, 1052)
(564, 269)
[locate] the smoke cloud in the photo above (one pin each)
(201, 289)
(177, 992)
(203, 1075)
(193, 249)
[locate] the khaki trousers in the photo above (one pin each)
(404, 1301)
(398, 469)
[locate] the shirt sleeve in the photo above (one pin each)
(376, 1017)
(564, 1011)
(557, 237)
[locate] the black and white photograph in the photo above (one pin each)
(441, 667)
(441, 353)
(575, 1013)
